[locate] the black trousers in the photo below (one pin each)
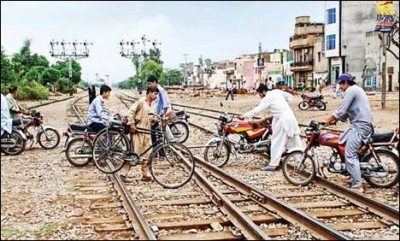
(230, 92)
(97, 127)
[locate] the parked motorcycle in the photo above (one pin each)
(379, 162)
(47, 136)
(13, 143)
(252, 140)
(311, 101)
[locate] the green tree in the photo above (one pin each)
(7, 72)
(208, 61)
(63, 67)
(50, 76)
(150, 68)
(171, 77)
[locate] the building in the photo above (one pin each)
(353, 46)
(302, 43)
(320, 71)
(287, 58)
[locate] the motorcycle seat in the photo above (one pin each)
(382, 137)
(80, 128)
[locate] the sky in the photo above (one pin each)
(219, 30)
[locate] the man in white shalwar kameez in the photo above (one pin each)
(6, 121)
(285, 129)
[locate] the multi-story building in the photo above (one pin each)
(320, 72)
(287, 58)
(353, 46)
(302, 43)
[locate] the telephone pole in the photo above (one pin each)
(69, 54)
(185, 73)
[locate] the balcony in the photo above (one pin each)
(302, 66)
(311, 29)
(296, 43)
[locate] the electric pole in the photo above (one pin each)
(69, 54)
(185, 73)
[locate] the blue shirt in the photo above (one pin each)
(162, 101)
(97, 111)
(6, 121)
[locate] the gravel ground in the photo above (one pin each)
(36, 185)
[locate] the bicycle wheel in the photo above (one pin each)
(298, 171)
(180, 131)
(109, 150)
(49, 138)
(174, 169)
(79, 153)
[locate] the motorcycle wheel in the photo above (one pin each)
(390, 166)
(49, 139)
(79, 154)
(321, 105)
(19, 146)
(217, 154)
(180, 131)
(304, 105)
(298, 171)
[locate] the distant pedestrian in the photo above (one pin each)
(270, 84)
(230, 90)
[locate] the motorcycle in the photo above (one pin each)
(310, 101)
(78, 146)
(13, 143)
(379, 162)
(47, 136)
(252, 140)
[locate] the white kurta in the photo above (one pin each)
(285, 129)
(6, 121)
(276, 101)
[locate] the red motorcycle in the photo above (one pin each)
(379, 161)
(252, 139)
(311, 101)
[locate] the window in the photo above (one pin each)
(319, 56)
(330, 42)
(331, 15)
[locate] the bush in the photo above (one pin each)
(33, 91)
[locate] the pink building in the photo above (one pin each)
(248, 75)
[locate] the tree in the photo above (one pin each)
(208, 62)
(63, 67)
(7, 72)
(50, 76)
(155, 55)
(201, 62)
(171, 77)
(150, 68)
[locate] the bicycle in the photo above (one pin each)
(112, 149)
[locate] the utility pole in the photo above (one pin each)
(185, 73)
(260, 61)
(69, 54)
(108, 83)
(383, 103)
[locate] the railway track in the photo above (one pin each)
(339, 207)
